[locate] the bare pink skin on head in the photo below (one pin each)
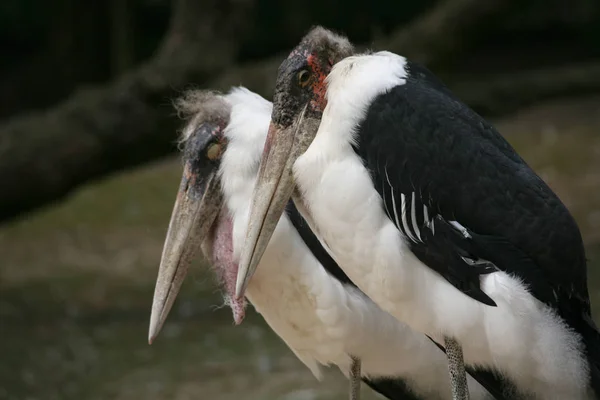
(225, 267)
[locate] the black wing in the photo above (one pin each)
(464, 199)
(392, 388)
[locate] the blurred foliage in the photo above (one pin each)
(52, 47)
(359, 19)
(26, 26)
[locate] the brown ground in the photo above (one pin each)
(76, 283)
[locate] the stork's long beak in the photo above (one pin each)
(273, 190)
(198, 202)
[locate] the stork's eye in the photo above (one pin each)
(303, 78)
(213, 152)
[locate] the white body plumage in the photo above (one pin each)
(318, 317)
(520, 337)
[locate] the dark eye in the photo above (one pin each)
(303, 78)
(213, 152)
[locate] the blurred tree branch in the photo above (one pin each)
(73, 29)
(443, 30)
(45, 155)
(504, 93)
(121, 36)
(429, 39)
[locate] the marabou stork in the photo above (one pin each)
(430, 212)
(299, 290)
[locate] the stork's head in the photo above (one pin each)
(298, 105)
(300, 87)
(199, 198)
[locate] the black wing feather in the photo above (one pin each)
(445, 249)
(393, 389)
(418, 140)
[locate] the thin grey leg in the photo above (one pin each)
(456, 367)
(355, 378)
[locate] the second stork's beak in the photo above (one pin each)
(274, 188)
(198, 203)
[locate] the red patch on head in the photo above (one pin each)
(319, 88)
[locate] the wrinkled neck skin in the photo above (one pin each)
(239, 166)
(222, 260)
(246, 134)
